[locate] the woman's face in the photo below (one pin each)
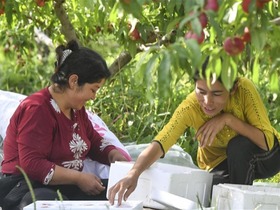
(85, 93)
(213, 98)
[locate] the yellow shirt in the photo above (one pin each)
(246, 104)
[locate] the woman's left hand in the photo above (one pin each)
(209, 130)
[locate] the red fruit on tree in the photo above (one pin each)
(199, 38)
(2, 9)
(40, 3)
(135, 35)
(264, 1)
(245, 5)
(98, 29)
(110, 27)
(126, 1)
(259, 4)
(203, 20)
(233, 46)
(212, 5)
(246, 37)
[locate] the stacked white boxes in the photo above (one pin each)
(245, 197)
(83, 205)
(189, 183)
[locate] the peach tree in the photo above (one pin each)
(170, 35)
(160, 42)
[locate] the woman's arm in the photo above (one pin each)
(211, 128)
(115, 155)
(247, 130)
(87, 182)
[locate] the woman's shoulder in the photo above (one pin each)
(191, 99)
(40, 100)
(247, 91)
(190, 102)
(245, 82)
(38, 97)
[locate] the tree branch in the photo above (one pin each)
(276, 21)
(123, 59)
(67, 28)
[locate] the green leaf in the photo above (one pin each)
(195, 52)
(164, 74)
(9, 11)
(274, 82)
(88, 4)
(172, 25)
(113, 17)
(182, 56)
(133, 7)
(217, 66)
(229, 72)
(256, 68)
(150, 66)
(170, 5)
(258, 39)
(196, 26)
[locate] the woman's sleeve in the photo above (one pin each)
(177, 125)
(255, 110)
(100, 148)
(35, 134)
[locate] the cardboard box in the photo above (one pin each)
(83, 205)
(190, 183)
(233, 196)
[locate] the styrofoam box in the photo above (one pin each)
(190, 183)
(174, 202)
(233, 196)
(82, 205)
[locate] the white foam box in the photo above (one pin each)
(233, 196)
(174, 202)
(186, 182)
(83, 205)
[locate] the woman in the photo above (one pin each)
(237, 142)
(50, 135)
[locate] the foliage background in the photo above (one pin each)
(143, 93)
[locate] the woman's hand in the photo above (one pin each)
(209, 130)
(127, 185)
(90, 184)
(123, 188)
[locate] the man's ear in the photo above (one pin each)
(73, 80)
(234, 88)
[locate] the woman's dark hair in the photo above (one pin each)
(87, 64)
